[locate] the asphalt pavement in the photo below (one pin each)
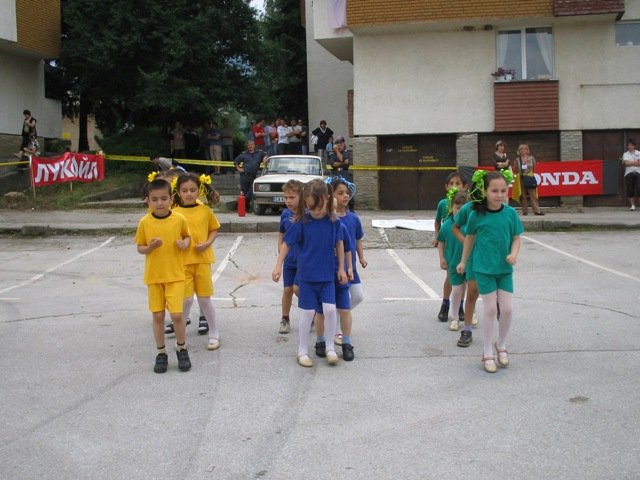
(121, 217)
(80, 400)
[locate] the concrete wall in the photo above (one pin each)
(424, 82)
(439, 82)
(22, 87)
(598, 80)
(329, 80)
(8, 24)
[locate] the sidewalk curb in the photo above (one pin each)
(273, 227)
(44, 230)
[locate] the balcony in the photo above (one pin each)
(526, 105)
(339, 42)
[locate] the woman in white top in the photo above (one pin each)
(631, 162)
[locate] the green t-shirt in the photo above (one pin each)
(494, 232)
(442, 210)
(452, 246)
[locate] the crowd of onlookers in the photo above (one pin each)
(216, 142)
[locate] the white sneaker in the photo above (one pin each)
(633, 207)
(213, 344)
(454, 325)
(474, 321)
(332, 357)
(337, 339)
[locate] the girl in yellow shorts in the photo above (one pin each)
(203, 225)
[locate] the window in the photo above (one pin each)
(627, 33)
(528, 51)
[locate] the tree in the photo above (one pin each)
(283, 67)
(149, 62)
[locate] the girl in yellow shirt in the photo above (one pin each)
(203, 225)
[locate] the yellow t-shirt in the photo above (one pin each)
(166, 263)
(202, 221)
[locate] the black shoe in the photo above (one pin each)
(347, 352)
(161, 363)
(321, 349)
(168, 328)
(203, 326)
(443, 316)
(187, 321)
(465, 338)
(461, 313)
(184, 363)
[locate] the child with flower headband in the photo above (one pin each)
(189, 189)
(493, 235)
(450, 251)
(454, 180)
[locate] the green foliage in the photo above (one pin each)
(56, 145)
(150, 62)
(140, 141)
(283, 67)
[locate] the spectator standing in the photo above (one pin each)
(28, 129)
(273, 138)
(204, 141)
(215, 146)
(304, 136)
(526, 165)
(191, 141)
(295, 145)
(248, 164)
(324, 135)
(500, 159)
(227, 141)
(283, 137)
(339, 157)
(259, 134)
(631, 162)
(177, 141)
(250, 131)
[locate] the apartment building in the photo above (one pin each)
(29, 33)
(422, 93)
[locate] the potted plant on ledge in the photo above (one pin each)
(503, 74)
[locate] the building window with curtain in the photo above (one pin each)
(528, 51)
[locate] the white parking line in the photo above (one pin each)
(580, 259)
(37, 277)
(227, 257)
(407, 271)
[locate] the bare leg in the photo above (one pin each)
(158, 328)
(180, 328)
(470, 302)
(287, 300)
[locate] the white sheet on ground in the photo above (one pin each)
(427, 225)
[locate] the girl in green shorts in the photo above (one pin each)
(493, 232)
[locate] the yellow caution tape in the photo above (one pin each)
(226, 163)
(7, 164)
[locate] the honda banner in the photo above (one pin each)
(566, 179)
(70, 167)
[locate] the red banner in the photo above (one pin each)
(566, 179)
(70, 167)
